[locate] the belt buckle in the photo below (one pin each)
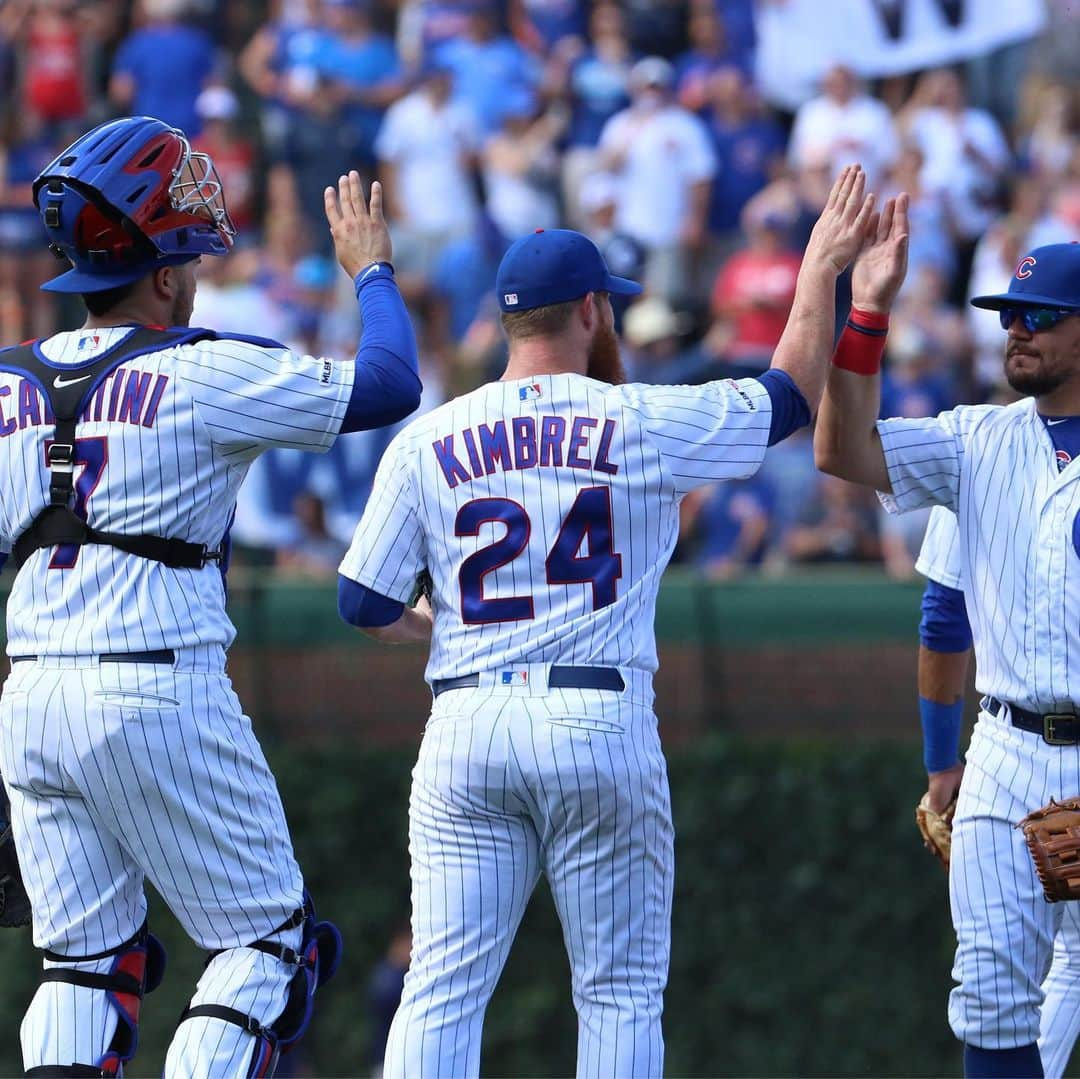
(1049, 734)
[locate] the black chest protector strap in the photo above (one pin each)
(68, 391)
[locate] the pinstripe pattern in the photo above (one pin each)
(1061, 1009)
(246, 980)
(516, 780)
(939, 559)
(100, 796)
(939, 555)
(996, 467)
(92, 1020)
(117, 771)
(507, 787)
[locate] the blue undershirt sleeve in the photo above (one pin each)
(362, 607)
(944, 624)
(386, 385)
(790, 409)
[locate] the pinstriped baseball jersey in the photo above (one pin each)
(996, 467)
(546, 509)
(939, 560)
(939, 555)
(162, 448)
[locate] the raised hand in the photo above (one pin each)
(843, 224)
(359, 229)
(882, 263)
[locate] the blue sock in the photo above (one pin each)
(1023, 1062)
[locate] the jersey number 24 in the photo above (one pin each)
(587, 524)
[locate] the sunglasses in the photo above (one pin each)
(1035, 319)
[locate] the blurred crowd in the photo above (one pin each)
(644, 123)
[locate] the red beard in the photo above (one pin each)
(605, 363)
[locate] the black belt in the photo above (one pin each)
(160, 655)
(558, 678)
(1056, 728)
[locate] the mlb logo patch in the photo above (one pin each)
(530, 393)
(510, 299)
(515, 678)
(90, 340)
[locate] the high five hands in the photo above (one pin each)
(848, 228)
(358, 228)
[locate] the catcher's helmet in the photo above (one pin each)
(126, 198)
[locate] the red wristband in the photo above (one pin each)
(862, 343)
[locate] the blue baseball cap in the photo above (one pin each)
(1047, 277)
(554, 266)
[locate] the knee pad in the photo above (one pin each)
(137, 969)
(315, 962)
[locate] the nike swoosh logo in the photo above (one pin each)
(60, 382)
(373, 268)
(1054, 423)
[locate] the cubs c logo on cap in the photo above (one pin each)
(1024, 267)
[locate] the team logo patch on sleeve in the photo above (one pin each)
(514, 678)
(530, 392)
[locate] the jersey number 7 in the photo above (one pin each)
(587, 523)
(91, 455)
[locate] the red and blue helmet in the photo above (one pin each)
(129, 197)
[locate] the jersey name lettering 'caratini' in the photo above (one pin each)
(527, 442)
(126, 395)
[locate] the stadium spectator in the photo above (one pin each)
(231, 288)
(55, 77)
(753, 293)
(542, 26)
(656, 26)
(665, 165)
(463, 281)
(624, 256)
(844, 124)
(653, 333)
(313, 552)
(931, 245)
(233, 153)
(161, 67)
(364, 76)
(596, 79)
(490, 69)
(426, 150)
(749, 148)
(727, 526)
(25, 263)
(521, 169)
(709, 52)
(838, 525)
(965, 156)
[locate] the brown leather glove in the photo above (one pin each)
(936, 828)
(1053, 837)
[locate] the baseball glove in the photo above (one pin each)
(14, 902)
(1053, 837)
(936, 828)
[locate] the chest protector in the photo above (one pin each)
(68, 390)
